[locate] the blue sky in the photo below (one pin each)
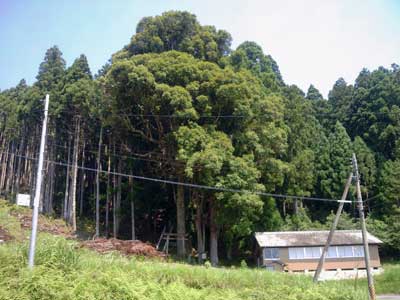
(313, 41)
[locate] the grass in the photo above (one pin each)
(65, 271)
(389, 281)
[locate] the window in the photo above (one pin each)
(332, 252)
(345, 251)
(271, 253)
(358, 251)
(312, 252)
(296, 253)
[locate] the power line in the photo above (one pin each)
(374, 197)
(119, 155)
(192, 185)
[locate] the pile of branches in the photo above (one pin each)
(126, 247)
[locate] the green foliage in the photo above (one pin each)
(373, 109)
(339, 165)
(388, 230)
(301, 221)
(389, 281)
(243, 264)
(389, 186)
(340, 99)
(366, 165)
(313, 94)
(114, 277)
(180, 31)
(51, 71)
(250, 56)
(346, 222)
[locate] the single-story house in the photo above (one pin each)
(299, 251)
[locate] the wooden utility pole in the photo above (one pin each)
(360, 206)
(333, 228)
(39, 176)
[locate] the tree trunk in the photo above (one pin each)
(133, 231)
(52, 183)
(213, 235)
(229, 247)
(117, 207)
(199, 227)
(19, 165)
(10, 169)
(295, 207)
(180, 220)
(74, 177)
(284, 208)
(82, 182)
(67, 177)
(133, 220)
(108, 193)
(98, 184)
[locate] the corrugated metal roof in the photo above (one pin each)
(311, 238)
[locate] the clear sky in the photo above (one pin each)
(313, 41)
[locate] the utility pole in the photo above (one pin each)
(360, 206)
(333, 228)
(39, 176)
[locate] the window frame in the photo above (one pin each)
(340, 252)
(271, 249)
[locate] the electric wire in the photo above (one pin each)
(191, 185)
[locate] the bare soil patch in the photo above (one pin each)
(126, 247)
(101, 245)
(4, 235)
(45, 224)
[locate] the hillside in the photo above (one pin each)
(64, 270)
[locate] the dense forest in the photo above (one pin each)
(178, 105)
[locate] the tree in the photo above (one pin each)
(390, 186)
(374, 112)
(340, 98)
(79, 94)
(366, 165)
(250, 56)
(210, 160)
(51, 71)
(180, 31)
(339, 166)
(313, 94)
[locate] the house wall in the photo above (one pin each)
(330, 263)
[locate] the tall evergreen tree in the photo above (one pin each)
(367, 165)
(313, 94)
(340, 152)
(51, 71)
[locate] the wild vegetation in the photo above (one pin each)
(64, 270)
(178, 105)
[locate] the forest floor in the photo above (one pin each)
(66, 269)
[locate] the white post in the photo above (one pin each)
(39, 176)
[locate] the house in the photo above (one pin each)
(299, 251)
